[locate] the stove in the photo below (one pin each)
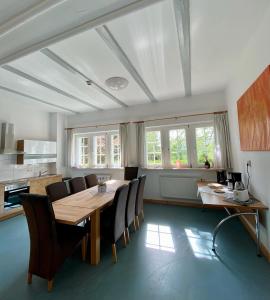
(13, 189)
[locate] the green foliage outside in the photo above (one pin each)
(205, 144)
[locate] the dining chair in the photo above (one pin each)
(130, 207)
(112, 220)
(91, 180)
(131, 173)
(139, 201)
(50, 243)
(56, 191)
(77, 184)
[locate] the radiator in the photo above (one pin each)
(104, 177)
(179, 187)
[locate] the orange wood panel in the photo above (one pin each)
(254, 115)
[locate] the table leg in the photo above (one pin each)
(95, 237)
(257, 220)
(228, 218)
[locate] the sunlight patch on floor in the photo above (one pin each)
(201, 243)
(159, 237)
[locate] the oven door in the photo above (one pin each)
(12, 197)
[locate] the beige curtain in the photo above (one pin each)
(70, 156)
(223, 141)
(124, 144)
(140, 132)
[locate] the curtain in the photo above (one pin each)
(124, 144)
(140, 132)
(70, 159)
(223, 141)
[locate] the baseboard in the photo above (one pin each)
(248, 226)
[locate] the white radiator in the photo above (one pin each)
(179, 187)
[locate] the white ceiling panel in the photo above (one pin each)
(20, 84)
(61, 18)
(89, 54)
(40, 66)
(11, 8)
(149, 39)
(220, 30)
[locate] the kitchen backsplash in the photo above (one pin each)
(9, 170)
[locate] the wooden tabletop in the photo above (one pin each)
(218, 200)
(77, 207)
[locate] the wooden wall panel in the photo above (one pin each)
(254, 115)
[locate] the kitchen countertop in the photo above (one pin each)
(5, 182)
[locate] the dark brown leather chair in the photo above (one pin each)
(139, 200)
(113, 220)
(56, 191)
(91, 180)
(50, 243)
(130, 207)
(77, 184)
(131, 173)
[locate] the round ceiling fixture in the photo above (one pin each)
(117, 83)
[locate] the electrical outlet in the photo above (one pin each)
(249, 163)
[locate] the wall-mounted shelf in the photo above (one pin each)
(35, 152)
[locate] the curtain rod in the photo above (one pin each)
(149, 120)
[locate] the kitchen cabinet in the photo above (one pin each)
(36, 152)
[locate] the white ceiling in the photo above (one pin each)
(147, 34)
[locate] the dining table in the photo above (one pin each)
(87, 205)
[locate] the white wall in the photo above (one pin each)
(252, 62)
(29, 123)
(191, 105)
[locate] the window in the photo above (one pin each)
(98, 150)
(180, 145)
(115, 150)
(84, 152)
(153, 148)
(205, 144)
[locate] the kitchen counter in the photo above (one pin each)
(37, 186)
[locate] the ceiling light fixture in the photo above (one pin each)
(116, 83)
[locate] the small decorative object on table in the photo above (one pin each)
(206, 163)
(102, 187)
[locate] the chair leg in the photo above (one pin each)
(29, 278)
(84, 248)
(127, 235)
(125, 238)
(134, 224)
(50, 285)
(114, 253)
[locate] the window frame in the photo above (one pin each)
(190, 142)
(91, 150)
(153, 166)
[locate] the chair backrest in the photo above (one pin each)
(43, 236)
(56, 191)
(139, 200)
(119, 204)
(131, 173)
(77, 184)
(131, 201)
(91, 180)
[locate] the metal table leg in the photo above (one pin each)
(256, 214)
(257, 220)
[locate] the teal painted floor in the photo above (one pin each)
(169, 258)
